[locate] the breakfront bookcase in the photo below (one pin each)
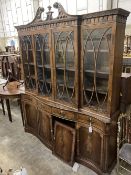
(72, 71)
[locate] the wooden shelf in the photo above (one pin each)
(40, 66)
(100, 50)
(67, 68)
(47, 66)
(47, 81)
(99, 74)
(61, 83)
(101, 90)
(31, 64)
(38, 50)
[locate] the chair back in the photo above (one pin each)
(10, 65)
(124, 128)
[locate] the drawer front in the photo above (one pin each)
(44, 107)
(89, 119)
(63, 113)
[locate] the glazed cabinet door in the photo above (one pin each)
(26, 43)
(65, 61)
(64, 143)
(90, 146)
(96, 64)
(43, 63)
(45, 128)
(31, 117)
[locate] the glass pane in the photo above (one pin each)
(43, 64)
(65, 65)
(96, 66)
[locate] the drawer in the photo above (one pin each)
(44, 107)
(63, 113)
(95, 122)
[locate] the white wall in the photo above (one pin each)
(18, 12)
(125, 4)
(15, 12)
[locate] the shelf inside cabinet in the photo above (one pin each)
(31, 64)
(99, 74)
(60, 66)
(40, 66)
(63, 67)
(101, 90)
(69, 85)
(47, 81)
(98, 50)
(47, 66)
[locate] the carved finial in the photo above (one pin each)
(49, 13)
(38, 14)
(61, 10)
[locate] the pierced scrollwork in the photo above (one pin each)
(37, 18)
(61, 11)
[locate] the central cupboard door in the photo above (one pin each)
(65, 66)
(64, 142)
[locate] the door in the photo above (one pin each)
(45, 128)
(64, 142)
(31, 117)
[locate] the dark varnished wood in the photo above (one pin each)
(64, 148)
(63, 124)
(125, 91)
(12, 90)
(3, 107)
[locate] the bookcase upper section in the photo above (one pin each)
(75, 59)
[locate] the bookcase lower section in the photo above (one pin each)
(67, 134)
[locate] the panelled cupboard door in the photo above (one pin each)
(90, 145)
(31, 117)
(64, 142)
(44, 130)
(65, 61)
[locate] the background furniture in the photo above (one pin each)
(72, 70)
(12, 90)
(124, 143)
(125, 94)
(2, 103)
(10, 63)
(2, 82)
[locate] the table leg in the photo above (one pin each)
(21, 109)
(8, 109)
(2, 102)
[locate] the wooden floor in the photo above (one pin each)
(18, 148)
